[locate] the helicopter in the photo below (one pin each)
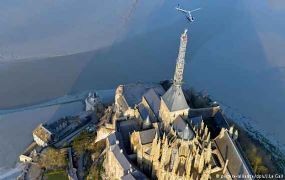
(188, 14)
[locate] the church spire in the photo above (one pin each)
(178, 76)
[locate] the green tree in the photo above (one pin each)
(83, 142)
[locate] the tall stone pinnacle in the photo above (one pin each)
(178, 76)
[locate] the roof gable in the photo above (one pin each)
(153, 100)
(134, 92)
(182, 128)
(147, 136)
(174, 99)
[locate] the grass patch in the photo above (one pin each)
(56, 175)
(96, 170)
(53, 159)
(83, 142)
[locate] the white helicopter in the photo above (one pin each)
(187, 13)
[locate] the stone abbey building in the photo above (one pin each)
(155, 134)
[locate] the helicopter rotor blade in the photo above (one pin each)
(195, 10)
(181, 10)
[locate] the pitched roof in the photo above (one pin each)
(197, 120)
(112, 138)
(128, 177)
(121, 158)
(139, 175)
(43, 133)
(134, 92)
(142, 110)
(182, 128)
(175, 99)
(134, 175)
(229, 150)
(124, 129)
(147, 136)
(153, 100)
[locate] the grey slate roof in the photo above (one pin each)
(135, 175)
(128, 177)
(147, 136)
(143, 111)
(228, 150)
(124, 129)
(182, 128)
(134, 92)
(129, 170)
(175, 99)
(139, 175)
(197, 120)
(153, 100)
(113, 137)
(121, 158)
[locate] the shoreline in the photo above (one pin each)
(75, 98)
(247, 141)
(30, 117)
(11, 173)
(252, 127)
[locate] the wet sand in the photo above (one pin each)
(16, 129)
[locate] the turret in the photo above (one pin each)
(235, 135)
(147, 123)
(231, 131)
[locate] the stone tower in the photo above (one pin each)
(178, 75)
(173, 102)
